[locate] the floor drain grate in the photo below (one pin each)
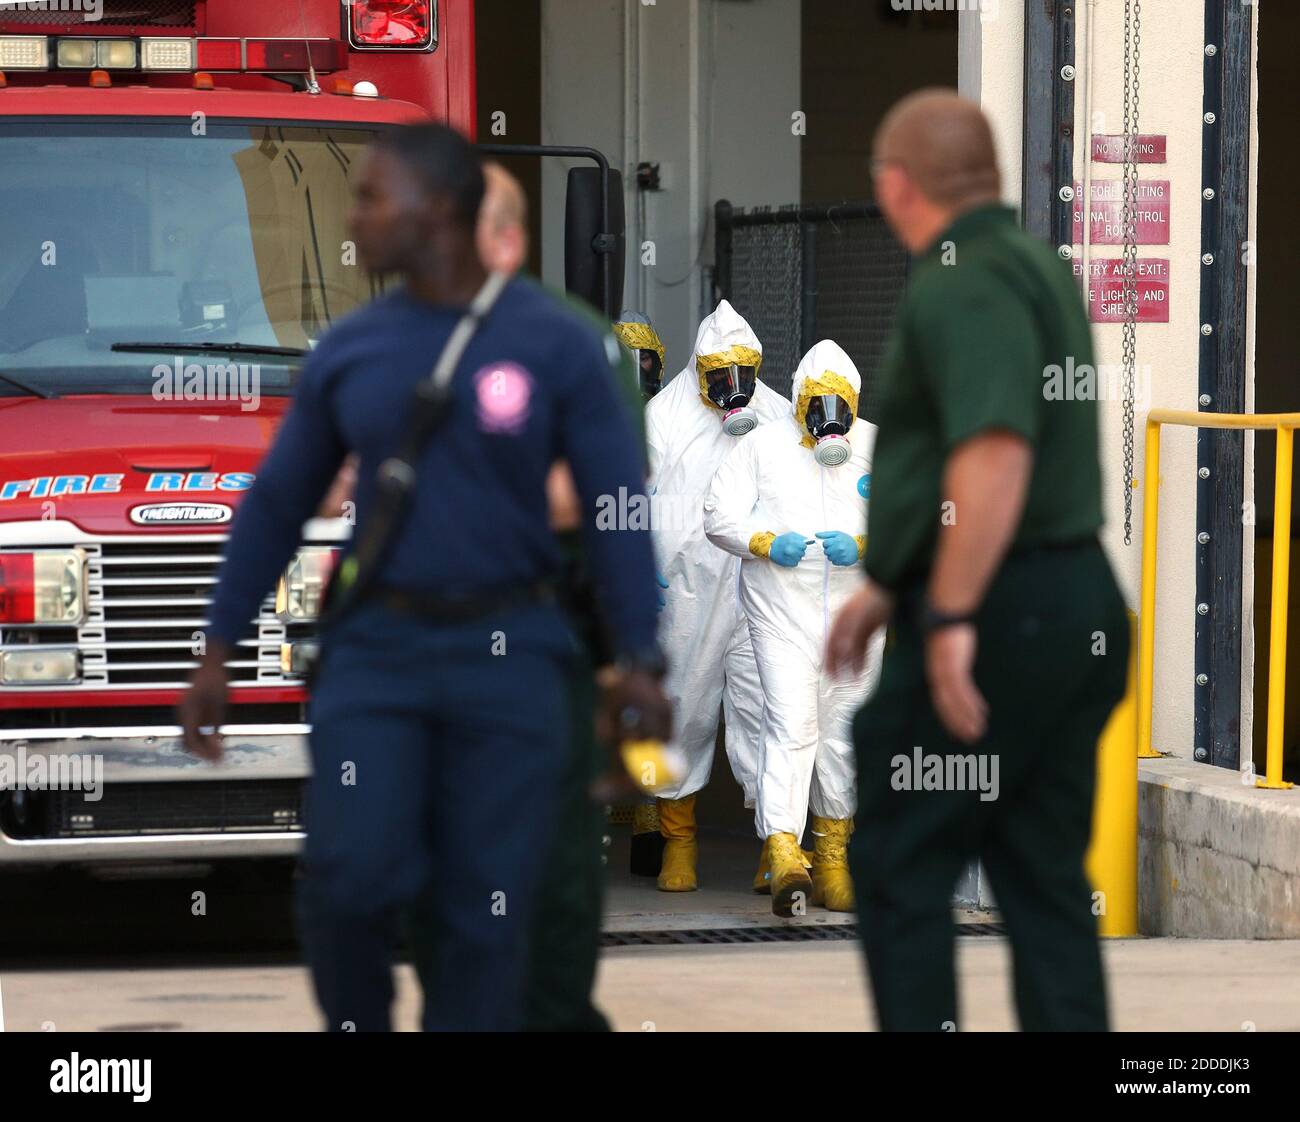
(785, 933)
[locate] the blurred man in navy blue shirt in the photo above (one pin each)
(438, 712)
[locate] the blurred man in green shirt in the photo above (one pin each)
(1008, 637)
(565, 942)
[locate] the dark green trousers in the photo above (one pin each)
(566, 929)
(1048, 617)
(565, 941)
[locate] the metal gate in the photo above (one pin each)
(799, 274)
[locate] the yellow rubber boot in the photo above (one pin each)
(677, 824)
(763, 878)
(832, 885)
(790, 880)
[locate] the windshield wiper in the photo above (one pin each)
(46, 394)
(212, 347)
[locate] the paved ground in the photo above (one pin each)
(1169, 985)
(1159, 984)
(82, 955)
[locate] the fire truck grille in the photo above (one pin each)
(217, 806)
(147, 608)
(119, 15)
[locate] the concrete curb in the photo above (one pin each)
(1216, 859)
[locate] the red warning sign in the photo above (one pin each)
(1107, 212)
(1106, 289)
(1108, 148)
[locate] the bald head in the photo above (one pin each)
(944, 143)
(502, 234)
(933, 158)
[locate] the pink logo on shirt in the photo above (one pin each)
(503, 390)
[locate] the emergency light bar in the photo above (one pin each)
(401, 25)
(172, 55)
(24, 52)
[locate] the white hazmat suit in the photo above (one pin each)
(769, 485)
(702, 630)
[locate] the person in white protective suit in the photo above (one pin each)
(691, 424)
(791, 501)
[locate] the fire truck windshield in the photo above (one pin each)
(131, 233)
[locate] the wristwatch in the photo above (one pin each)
(932, 619)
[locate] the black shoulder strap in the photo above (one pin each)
(395, 478)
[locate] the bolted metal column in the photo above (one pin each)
(1220, 454)
(1048, 146)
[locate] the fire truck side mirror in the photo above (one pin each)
(587, 244)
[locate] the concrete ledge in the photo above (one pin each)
(1216, 859)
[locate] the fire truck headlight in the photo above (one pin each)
(301, 591)
(48, 587)
(76, 54)
(40, 666)
(296, 658)
(117, 54)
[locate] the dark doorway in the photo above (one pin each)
(1277, 374)
(508, 58)
(858, 58)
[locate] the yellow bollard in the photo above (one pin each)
(1147, 628)
(1112, 859)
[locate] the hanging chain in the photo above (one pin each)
(1132, 87)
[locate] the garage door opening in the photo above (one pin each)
(1277, 380)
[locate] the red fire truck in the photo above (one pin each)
(173, 241)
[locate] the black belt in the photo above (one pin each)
(910, 591)
(918, 579)
(1037, 548)
(440, 609)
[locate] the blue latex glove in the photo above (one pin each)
(663, 585)
(839, 547)
(788, 550)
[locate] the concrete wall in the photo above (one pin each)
(991, 67)
(991, 70)
(1218, 858)
(704, 88)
